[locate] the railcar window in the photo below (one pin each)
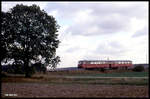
(100, 62)
(116, 62)
(88, 62)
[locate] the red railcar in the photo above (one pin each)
(100, 64)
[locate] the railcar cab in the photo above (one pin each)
(80, 64)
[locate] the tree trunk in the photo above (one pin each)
(27, 70)
(26, 62)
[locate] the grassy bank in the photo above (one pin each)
(84, 77)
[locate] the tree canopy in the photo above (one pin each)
(29, 33)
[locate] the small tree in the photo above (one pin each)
(138, 68)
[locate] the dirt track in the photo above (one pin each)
(73, 90)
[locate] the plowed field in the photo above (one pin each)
(72, 90)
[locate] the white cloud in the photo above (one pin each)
(53, 13)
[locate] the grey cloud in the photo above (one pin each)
(110, 18)
(104, 26)
(110, 48)
(103, 8)
(141, 32)
(107, 49)
(128, 11)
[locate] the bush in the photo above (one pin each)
(138, 68)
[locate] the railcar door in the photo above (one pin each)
(109, 66)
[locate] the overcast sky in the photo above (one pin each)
(98, 30)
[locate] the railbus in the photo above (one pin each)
(103, 64)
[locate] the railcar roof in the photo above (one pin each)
(105, 60)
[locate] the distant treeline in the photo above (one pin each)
(144, 65)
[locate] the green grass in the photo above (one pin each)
(102, 81)
(123, 74)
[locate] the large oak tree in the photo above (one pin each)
(29, 33)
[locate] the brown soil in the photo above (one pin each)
(72, 90)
